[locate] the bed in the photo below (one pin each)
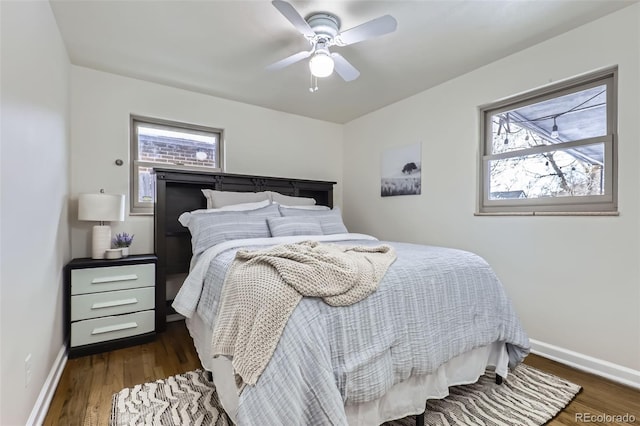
(438, 318)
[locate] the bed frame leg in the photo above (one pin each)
(498, 379)
(420, 419)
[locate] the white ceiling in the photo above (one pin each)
(222, 47)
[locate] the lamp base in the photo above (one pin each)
(101, 241)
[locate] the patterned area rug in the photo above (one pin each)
(527, 397)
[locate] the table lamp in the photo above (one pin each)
(101, 208)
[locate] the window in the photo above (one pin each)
(161, 143)
(551, 150)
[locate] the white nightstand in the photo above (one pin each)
(109, 303)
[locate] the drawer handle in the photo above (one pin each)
(111, 304)
(114, 279)
(117, 327)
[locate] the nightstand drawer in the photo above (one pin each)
(93, 280)
(110, 328)
(95, 305)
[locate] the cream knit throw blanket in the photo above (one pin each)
(263, 288)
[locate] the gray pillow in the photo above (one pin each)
(314, 207)
(209, 229)
(330, 220)
(295, 225)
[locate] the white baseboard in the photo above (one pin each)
(39, 411)
(608, 370)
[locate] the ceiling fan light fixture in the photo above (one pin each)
(321, 65)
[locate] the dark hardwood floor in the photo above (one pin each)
(83, 396)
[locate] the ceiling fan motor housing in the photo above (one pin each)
(324, 24)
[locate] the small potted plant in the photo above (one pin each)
(123, 241)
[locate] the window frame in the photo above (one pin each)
(592, 204)
(146, 208)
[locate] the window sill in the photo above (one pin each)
(616, 213)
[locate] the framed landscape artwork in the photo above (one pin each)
(400, 174)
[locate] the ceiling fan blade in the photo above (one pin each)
(344, 69)
(294, 17)
(289, 60)
(374, 28)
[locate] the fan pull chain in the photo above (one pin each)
(313, 87)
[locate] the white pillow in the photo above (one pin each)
(217, 199)
(316, 207)
(186, 217)
(277, 197)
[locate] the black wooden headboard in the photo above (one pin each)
(180, 191)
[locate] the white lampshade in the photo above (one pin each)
(321, 64)
(101, 207)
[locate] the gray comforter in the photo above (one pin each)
(433, 304)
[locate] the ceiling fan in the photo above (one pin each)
(322, 30)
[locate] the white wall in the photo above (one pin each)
(34, 243)
(257, 141)
(575, 281)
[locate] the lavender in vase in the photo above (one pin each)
(123, 241)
